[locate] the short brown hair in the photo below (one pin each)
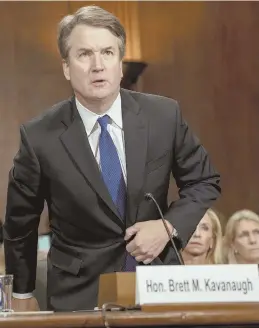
(92, 16)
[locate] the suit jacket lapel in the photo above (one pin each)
(76, 143)
(136, 142)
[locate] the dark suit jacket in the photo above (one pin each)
(55, 163)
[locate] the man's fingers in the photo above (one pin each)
(131, 231)
(148, 260)
(131, 247)
(144, 259)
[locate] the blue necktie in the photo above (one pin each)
(113, 177)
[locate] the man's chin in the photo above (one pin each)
(100, 93)
(95, 95)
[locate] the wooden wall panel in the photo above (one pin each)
(205, 54)
(31, 78)
(7, 120)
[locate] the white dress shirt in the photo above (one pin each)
(115, 128)
(93, 130)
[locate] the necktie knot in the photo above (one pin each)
(103, 121)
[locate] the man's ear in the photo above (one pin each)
(121, 69)
(66, 70)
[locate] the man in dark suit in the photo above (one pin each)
(93, 158)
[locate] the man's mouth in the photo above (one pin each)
(98, 81)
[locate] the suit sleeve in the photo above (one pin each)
(196, 179)
(25, 203)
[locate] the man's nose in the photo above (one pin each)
(97, 63)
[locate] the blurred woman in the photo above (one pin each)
(204, 247)
(241, 241)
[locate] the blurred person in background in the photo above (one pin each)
(241, 240)
(205, 245)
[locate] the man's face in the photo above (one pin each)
(94, 66)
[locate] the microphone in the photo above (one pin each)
(149, 196)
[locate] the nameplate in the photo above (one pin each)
(201, 283)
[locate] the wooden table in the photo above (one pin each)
(178, 315)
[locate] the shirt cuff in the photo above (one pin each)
(23, 296)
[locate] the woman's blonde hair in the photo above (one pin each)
(214, 255)
(230, 231)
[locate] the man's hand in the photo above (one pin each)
(25, 305)
(149, 241)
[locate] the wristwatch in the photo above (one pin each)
(174, 233)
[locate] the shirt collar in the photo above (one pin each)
(89, 118)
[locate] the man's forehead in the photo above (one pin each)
(97, 39)
(92, 33)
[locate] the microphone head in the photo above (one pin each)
(148, 196)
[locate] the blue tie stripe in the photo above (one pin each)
(113, 177)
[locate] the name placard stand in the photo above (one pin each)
(117, 288)
(164, 285)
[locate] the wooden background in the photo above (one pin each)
(204, 54)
